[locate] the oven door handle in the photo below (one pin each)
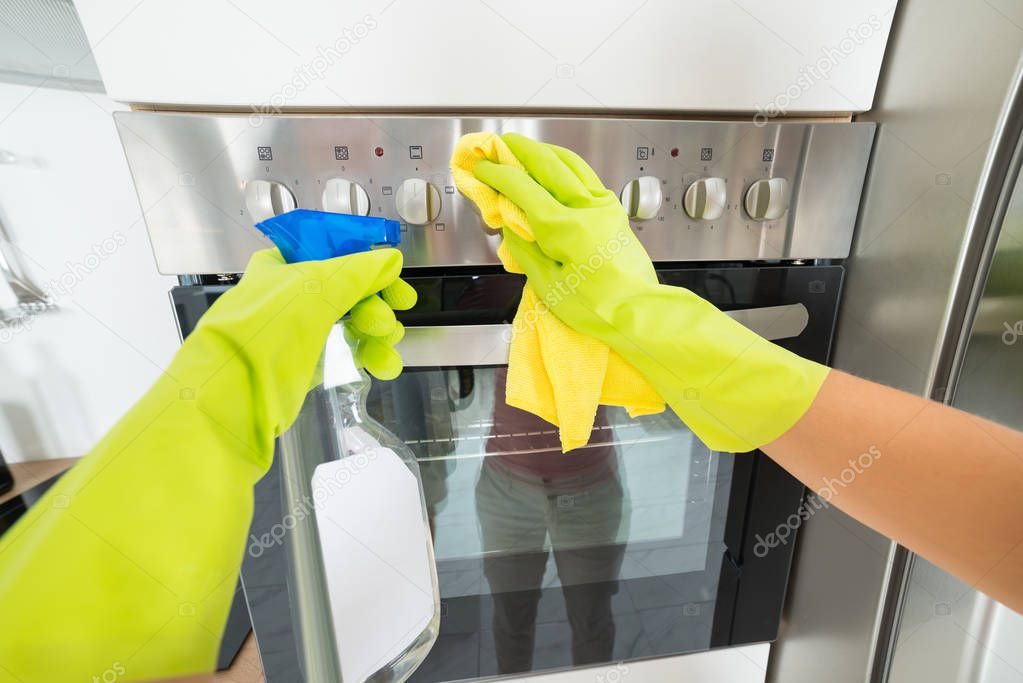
(453, 345)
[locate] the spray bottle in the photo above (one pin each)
(362, 576)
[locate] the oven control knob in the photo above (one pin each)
(767, 199)
(417, 201)
(705, 199)
(344, 196)
(266, 199)
(641, 197)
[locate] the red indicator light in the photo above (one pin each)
(379, 151)
(674, 151)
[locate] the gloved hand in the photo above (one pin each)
(128, 564)
(734, 389)
(554, 372)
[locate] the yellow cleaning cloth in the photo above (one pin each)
(553, 371)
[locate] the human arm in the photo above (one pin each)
(129, 562)
(932, 488)
(946, 484)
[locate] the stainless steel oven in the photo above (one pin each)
(643, 544)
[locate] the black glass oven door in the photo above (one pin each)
(548, 559)
(642, 544)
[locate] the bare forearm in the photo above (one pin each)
(944, 483)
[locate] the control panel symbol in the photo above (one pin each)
(265, 199)
(265, 153)
(387, 190)
(706, 154)
(415, 152)
(642, 153)
(642, 198)
(768, 154)
(767, 199)
(705, 199)
(341, 152)
(344, 196)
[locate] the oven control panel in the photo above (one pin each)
(694, 190)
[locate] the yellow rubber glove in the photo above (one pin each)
(554, 372)
(734, 389)
(128, 564)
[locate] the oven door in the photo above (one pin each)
(642, 544)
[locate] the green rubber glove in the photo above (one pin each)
(128, 564)
(734, 389)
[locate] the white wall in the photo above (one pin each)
(68, 200)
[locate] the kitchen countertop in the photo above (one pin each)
(246, 667)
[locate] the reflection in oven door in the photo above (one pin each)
(549, 559)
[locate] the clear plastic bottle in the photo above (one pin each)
(362, 576)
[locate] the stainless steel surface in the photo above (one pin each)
(344, 196)
(767, 199)
(937, 106)
(642, 197)
(889, 610)
(773, 322)
(997, 190)
(433, 346)
(417, 201)
(732, 665)
(952, 633)
(266, 199)
(449, 345)
(947, 628)
(706, 199)
(190, 171)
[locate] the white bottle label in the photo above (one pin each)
(338, 362)
(376, 558)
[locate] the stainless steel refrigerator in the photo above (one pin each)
(933, 305)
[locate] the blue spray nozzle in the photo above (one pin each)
(304, 235)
